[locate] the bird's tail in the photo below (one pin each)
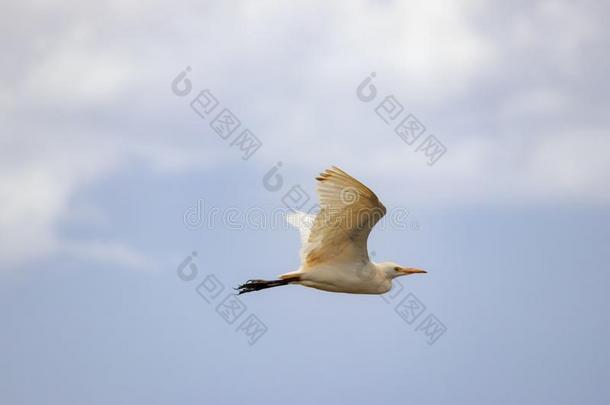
(255, 285)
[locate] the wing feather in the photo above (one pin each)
(348, 212)
(303, 222)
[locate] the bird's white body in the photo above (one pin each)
(334, 255)
(346, 277)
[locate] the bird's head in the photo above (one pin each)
(393, 270)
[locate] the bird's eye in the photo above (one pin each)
(396, 268)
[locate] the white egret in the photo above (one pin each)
(334, 255)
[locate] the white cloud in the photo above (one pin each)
(539, 101)
(88, 92)
(108, 252)
(38, 175)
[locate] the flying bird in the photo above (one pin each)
(334, 254)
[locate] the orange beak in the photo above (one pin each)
(410, 270)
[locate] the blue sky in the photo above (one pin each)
(100, 161)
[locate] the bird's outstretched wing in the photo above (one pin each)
(303, 222)
(348, 212)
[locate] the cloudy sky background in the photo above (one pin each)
(99, 161)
